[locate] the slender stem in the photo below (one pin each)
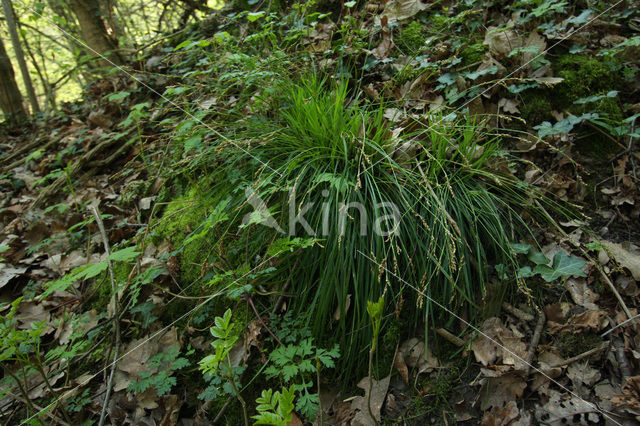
(232, 382)
(38, 366)
(114, 295)
(371, 352)
(320, 412)
(22, 390)
(260, 319)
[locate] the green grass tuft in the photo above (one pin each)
(455, 216)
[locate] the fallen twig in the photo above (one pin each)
(534, 341)
(28, 148)
(75, 169)
(518, 313)
(578, 357)
(625, 369)
(22, 160)
(284, 289)
(40, 409)
(114, 295)
(450, 337)
(620, 325)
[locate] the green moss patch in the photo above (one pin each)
(583, 76)
(411, 37)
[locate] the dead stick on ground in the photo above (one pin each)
(450, 337)
(22, 160)
(61, 180)
(114, 293)
(40, 409)
(578, 357)
(534, 341)
(284, 289)
(625, 369)
(35, 144)
(518, 313)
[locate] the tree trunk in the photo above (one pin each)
(10, 97)
(94, 32)
(17, 49)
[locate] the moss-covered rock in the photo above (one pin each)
(472, 54)
(181, 216)
(536, 107)
(411, 37)
(583, 76)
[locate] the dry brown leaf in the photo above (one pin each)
(590, 320)
(498, 391)
(557, 312)
(485, 350)
(630, 397)
(8, 273)
(582, 373)
(533, 40)
(564, 410)
(415, 355)
(360, 404)
(386, 45)
(581, 293)
(548, 81)
(627, 285)
(497, 343)
(509, 105)
(501, 416)
(398, 10)
(626, 255)
(172, 406)
(137, 353)
(401, 366)
(501, 41)
(29, 313)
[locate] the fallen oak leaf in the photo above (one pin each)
(498, 391)
(626, 256)
(630, 397)
(375, 399)
(501, 416)
(563, 410)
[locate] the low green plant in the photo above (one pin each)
(22, 348)
(412, 37)
(88, 271)
(275, 408)
(160, 369)
(219, 362)
(434, 218)
(562, 265)
(375, 310)
(3, 249)
(299, 364)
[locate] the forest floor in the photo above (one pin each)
(558, 84)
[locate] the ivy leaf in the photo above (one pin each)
(521, 248)
(595, 98)
(563, 266)
(538, 258)
(525, 272)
